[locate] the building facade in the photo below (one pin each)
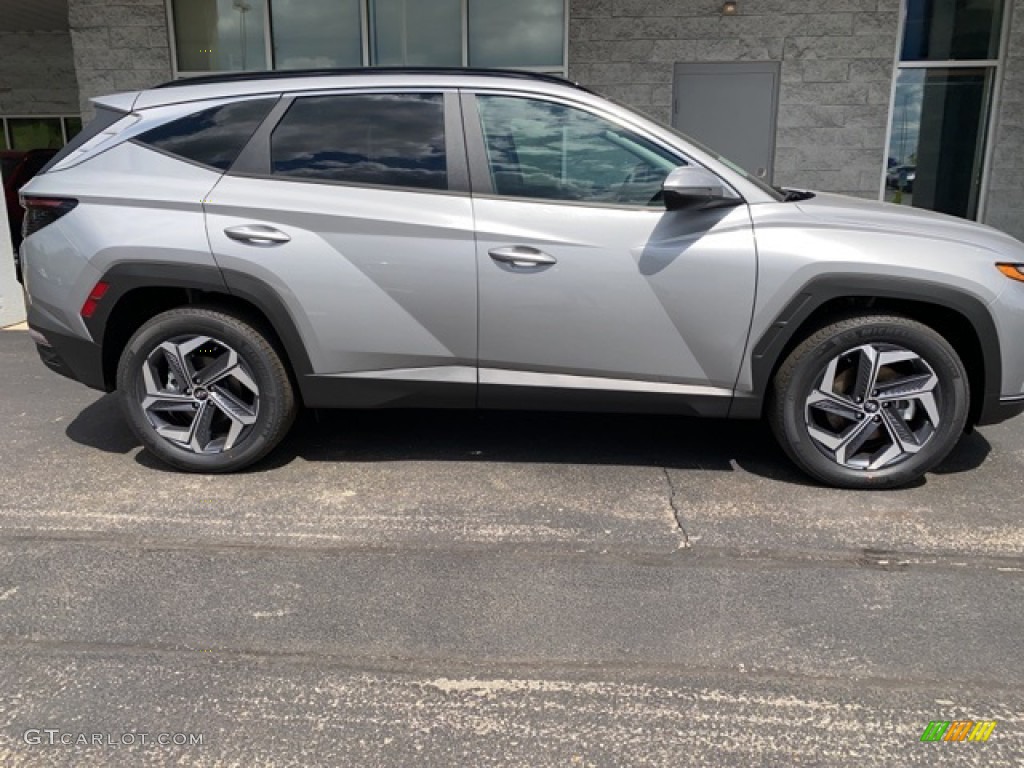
(919, 102)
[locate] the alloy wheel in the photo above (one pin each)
(199, 394)
(874, 406)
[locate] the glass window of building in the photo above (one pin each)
(227, 35)
(35, 133)
(72, 127)
(25, 133)
(527, 33)
(316, 34)
(941, 105)
(941, 30)
(220, 35)
(416, 33)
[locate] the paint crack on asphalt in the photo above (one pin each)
(677, 515)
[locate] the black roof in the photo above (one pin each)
(279, 74)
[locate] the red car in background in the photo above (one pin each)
(17, 168)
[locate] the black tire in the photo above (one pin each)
(277, 406)
(804, 368)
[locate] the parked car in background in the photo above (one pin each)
(10, 159)
(901, 177)
(223, 250)
(18, 169)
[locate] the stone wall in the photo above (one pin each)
(837, 62)
(1005, 206)
(119, 45)
(37, 74)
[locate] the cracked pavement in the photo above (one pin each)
(675, 508)
(395, 589)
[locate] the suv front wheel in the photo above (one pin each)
(870, 402)
(204, 391)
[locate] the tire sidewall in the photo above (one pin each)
(953, 399)
(273, 405)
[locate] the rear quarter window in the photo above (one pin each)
(214, 137)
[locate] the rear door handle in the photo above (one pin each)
(522, 256)
(257, 234)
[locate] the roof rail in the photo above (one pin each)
(280, 74)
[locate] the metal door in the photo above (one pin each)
(732, 108)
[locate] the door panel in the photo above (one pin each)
(375, 279)
(591, 293)
(651, 296)
(352, 207)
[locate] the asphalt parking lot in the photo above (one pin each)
(460, 589)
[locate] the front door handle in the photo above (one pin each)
(522, 256)
(257, 234)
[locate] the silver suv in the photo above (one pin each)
(224, 250)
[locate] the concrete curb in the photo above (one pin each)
(16, 327)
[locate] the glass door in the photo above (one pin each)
(949, 60)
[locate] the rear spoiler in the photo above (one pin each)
(118, 102)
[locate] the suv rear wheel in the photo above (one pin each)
(870, 402)
(204, 390)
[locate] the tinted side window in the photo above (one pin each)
(394, 140)
(543, 150)
(214, 136)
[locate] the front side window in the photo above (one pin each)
(548, 151)
(393, 140)
(213, 137)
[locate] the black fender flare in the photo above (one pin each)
(125, 277)
(766, 351)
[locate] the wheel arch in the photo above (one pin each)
(962, 319)
(140, 291)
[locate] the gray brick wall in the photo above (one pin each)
(119, 45)
(1005, 206)
(37, 74)
(837, 60)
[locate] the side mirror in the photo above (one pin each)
(693, 187)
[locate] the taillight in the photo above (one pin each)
(42, 211)
(91, 303)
